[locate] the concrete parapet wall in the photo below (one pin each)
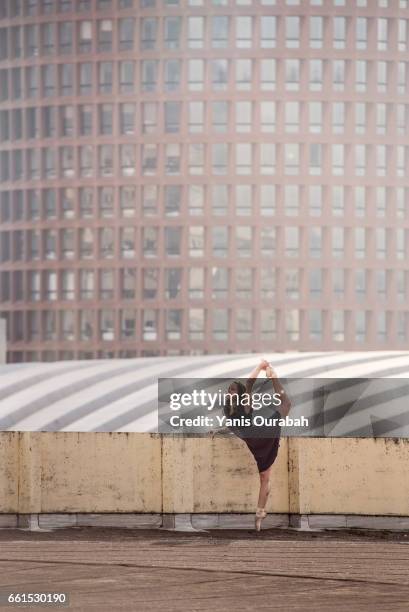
(65, 472)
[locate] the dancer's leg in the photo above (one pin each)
(264, 488)
(262, 497)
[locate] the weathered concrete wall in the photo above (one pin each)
(132, 472)
(217, 475)
(349, 476)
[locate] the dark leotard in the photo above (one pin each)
(263, 448)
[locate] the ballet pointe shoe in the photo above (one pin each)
(260, 515)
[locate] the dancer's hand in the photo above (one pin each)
(264, 364)
(270, 373)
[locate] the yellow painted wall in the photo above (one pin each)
(131, 472)
(350, 476)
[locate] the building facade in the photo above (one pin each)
(188, 176)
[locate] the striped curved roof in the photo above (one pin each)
(121, 394)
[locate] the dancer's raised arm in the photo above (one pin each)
(285, 405)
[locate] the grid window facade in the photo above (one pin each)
(161, 160)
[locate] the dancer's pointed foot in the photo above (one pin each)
(260, 515)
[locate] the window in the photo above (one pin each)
(315, 324)
(126, 76)
(172, 116)
(127, 119)
(339, 32)
(107, 324)
(128, 283)
(402, 34)
(106, 160)
(268, 28)
(172, 241)
(219, 200)
(173, 197)
(65, 32)
(244, 241)
(127, 158)
(86, 202)
(196, 158)
(220, 323)
(244, 32)
(85, 36)
(292, 32)
(173, 324)
(195, 32)
(128, 324)
(291, 200)
(360, 117)
(105, 119)
(127, 201)
(173, 283)
(292, 240)
(361, 32)
(172, 159)
(126, 34)
(220, 283)
(291, 158)
(244, 323)
(360, 160)
(316, 74)
(268, 324)
(244, 158)
(196, 117)
(149, 75)
(360, 325)
(338, 117)
(105, 77)
(149, 325)
(292, 324)
(149, 200)
(149, 158)
(127, 242)
(292, 74)
(172, 74)
(267, 283)
(220, 241)
(268, 74)
(315, 242)
(172, 31)
(382, 32)
(338, 242)
(106, 243)
(220, 158)
(220, 31)
(104, 27)
(244, 283)
(85, 78)
(337, 159)
(315, 283)
(338, 74)
(244, 72)
(196, 241)
(220, 74)
(315, 117)
(106, 202)
(316, 32)
(292, 116)
(244, 200)
(85, 119)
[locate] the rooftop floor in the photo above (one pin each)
(116, 569)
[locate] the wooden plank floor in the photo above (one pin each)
(115, 569)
